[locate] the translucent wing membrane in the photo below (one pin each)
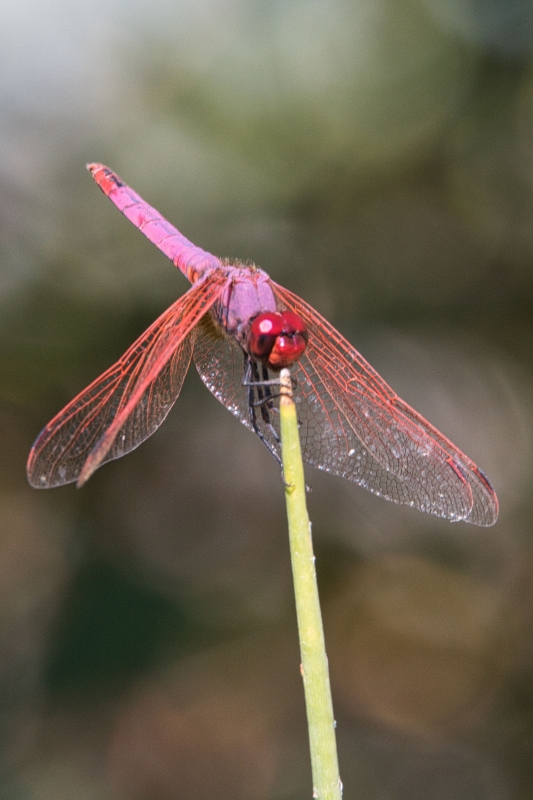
(220, 364)
(352, 424)
(355, 426)
(126, 404)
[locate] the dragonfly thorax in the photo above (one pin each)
(247, 294)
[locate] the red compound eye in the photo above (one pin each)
(277, 338)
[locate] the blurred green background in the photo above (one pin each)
(375, 156)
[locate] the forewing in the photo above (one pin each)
(126, 404)
(355, 426)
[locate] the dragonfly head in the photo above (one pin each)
(277, 338)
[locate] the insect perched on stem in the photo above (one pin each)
(352, 424)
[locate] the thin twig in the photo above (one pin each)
(326, 781)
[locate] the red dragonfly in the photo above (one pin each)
(240, 324)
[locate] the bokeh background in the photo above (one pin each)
(375, 156)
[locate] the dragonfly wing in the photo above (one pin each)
(355, 426)
(191, 260)
(329, 442)
(220, 364)
(126, 404)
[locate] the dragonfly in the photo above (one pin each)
(242, 328)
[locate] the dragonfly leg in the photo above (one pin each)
(254, 384)
(266, 403)
(264, 396)
(267, 382)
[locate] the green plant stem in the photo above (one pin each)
(324, 764)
